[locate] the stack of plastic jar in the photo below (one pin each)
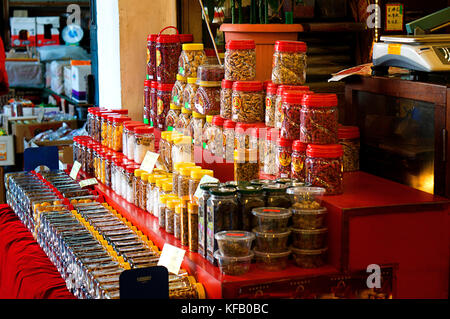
(291, 105)
(324, 167)
(228, 140)
(198, 121)
(151, 56)
(191, 57)
(298, 161)
(349, 139)
(226, 105)
(319, 119)
(217, 136)
(163, 97)
(177, 91)
(284, 157)
(172, 116)
(189, 93)
(248, 102)
(289, 63)
(183, 122)
(240, 60)
(278, 100)
(144, 142)
(168, 50)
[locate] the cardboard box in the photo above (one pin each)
(7, 150)
(28, 131)
(79, 81)
(23, 31)
(49, 39)
(65, 149)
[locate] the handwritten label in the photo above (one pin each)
(88, 182)
(150, 159)
(205, 179)
(171, 258)
(75, 169)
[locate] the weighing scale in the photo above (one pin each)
(419, 52)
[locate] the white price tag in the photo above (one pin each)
(171, 258)
(205, 179)
(150, 159)
(88, 182)
(75, 169)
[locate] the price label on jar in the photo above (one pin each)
(203, 180)
(88, 182)
(171, 258)
(75, 169)
(150, 159)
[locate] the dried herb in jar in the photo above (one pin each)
(226, 105)
(248, 102)
(240, 60)
(168, 50)
(289, 63)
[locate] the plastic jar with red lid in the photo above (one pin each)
(278, 100)
(217, 136)
(163, 98)
(117, 133)
(153, 102)
(291, 105)
(298, 160)
(144, 141)
(147, 101)
(151, 56)
(319, 119)
(350, 141)
(128, 138)
(168, 50)
(226, 105)
(242, 135)
(284, 157)
(228, 140)
(91, 120)
(270, 102)
(207, 98)
(258, 141)
(240, 60)
(324, 167)
(289, 63)
(248, 102)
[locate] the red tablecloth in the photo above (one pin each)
(25, 270)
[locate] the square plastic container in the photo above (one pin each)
(309, 238)
(309, 218)
(233, 266)
(271, 219)
(271, 242)
(310, 258)
(234, 243)
(306, 197)
(272, 261)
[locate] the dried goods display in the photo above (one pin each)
(248, 102)
(240, 60)
(226, 104)
(189, 94)
(271, 242)
(172, 116)
(271, 219)
(191, 57)
(349, 139)
(168, 50)
(177, 91)
(289, 63)
(278, 100)
(290, 114)
(207, 98)
(319, 119)
(234, 243)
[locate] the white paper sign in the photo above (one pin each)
(88, 182)
(75, 169)
(150, 159)
(171, 258)
(205, 179)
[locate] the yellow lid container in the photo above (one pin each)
(197, 115)
(138, 172)
(163, 199)
(144, 176)
(208, 172)
(183, 140)
(172, 203)
(185, 111)
(167, 187)
(209, 118)
(192, 46)
(191, 80)
(181, 78)
(174, 107)
(186, 171)
(154, 177)
(161, 181)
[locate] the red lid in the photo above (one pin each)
(105, 115)
(284, 142)
(282, 88)
(108, 156)
(240, 44)
(271, 88)
(131, 124)
(143, 129)
(121, 111)
(229, 124)
(248, 86)
(266, 83)
(329, 150)
(92, 109)
(121, 119)
(294, 97)
(165, 87)
(186, 38)
(134, 127)
(147, 83)
(244, 126)
(227, 84)
(168, 38)
(272, 134)
(112, 116)
(152, 37)
(218, 120)
(298, 146)
(258, 131)
(130, 168)
(290, 46)
(153, 84)
(320, 100)
(348, 132)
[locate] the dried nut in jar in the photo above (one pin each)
(192, 56)
(289, 63)
(248, 102)
(240, 60)
(210, 73)
(271, 219)
(226, 104)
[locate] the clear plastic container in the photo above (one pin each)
(154, 103)
(271, 242)
(248, 102)
(194, 180)
(129, 179)
(172, 116)
(117, 133)
(278, 100)
(207, 132)
(276, 195)
(128, 138)
(270, 101)
(137, 186)
(193, 226)
(235, 243)
(162, 211)
(242, 135)
(198, 121)
(177, 91)
(306, 197)
(163, 98)
(258, 142)
(192, 56)
(309, 238)
(309, 258)
(249, 197)
(319, 119)
(177, 221)
(217, 136)
(184, 223)
(240, 60)
(207, 98)
(228, 140)
(189, 93)
(226, 105)
(275, 261)
(289, 63)
(107, 172)
(170, 215)
(309, 218)
(182, 150)
(202, 208)
(233, 266)
(298, 161)
(184, 119)
(284, 158)
(270, 150)
(147, 101)
(210, 73)
(168, 50)
(151, 56)
(144, 142)
(271, 219)
(324, 167)
(290, 114)
(246, 165)
(349, 139)
(183, 180)
(142, 201)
